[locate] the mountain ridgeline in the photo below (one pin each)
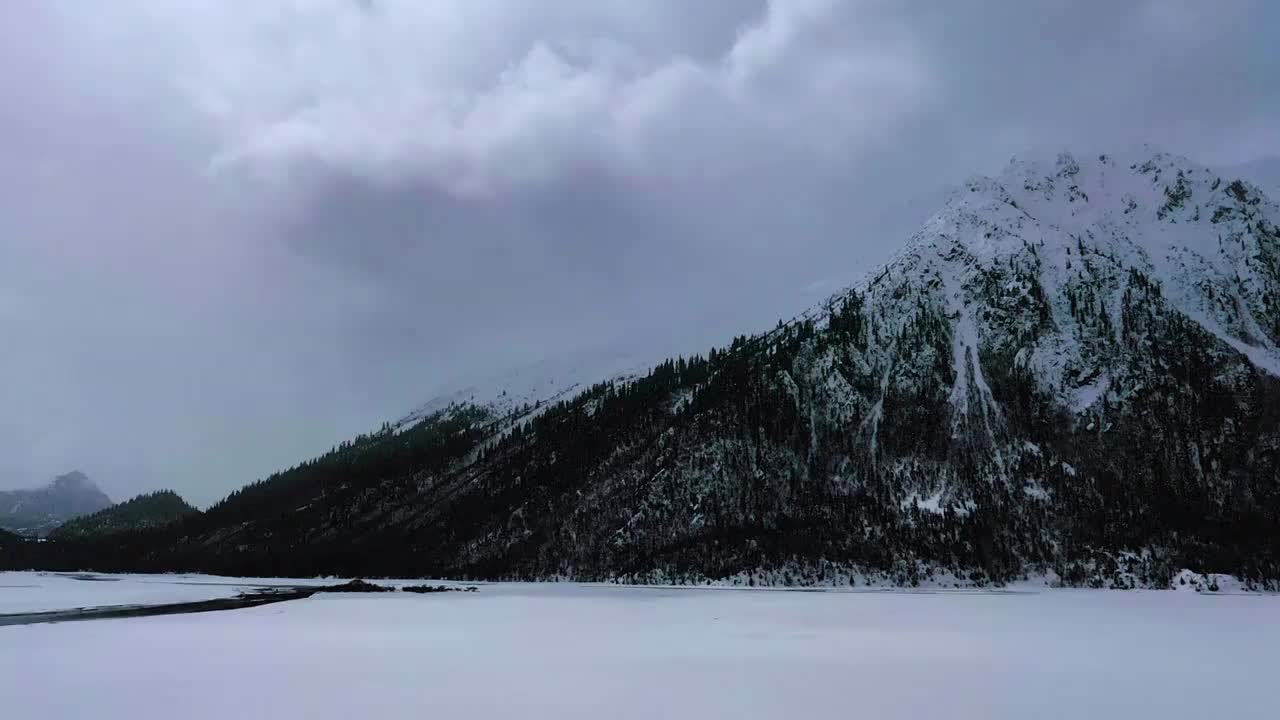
(1070, 370)
(144, 511)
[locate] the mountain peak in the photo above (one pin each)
(37, 511)
(74, 480)
(1074, 226)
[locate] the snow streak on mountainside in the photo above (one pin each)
(1071, 369)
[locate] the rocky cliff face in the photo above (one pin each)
(1071, 369)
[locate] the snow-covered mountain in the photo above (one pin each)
(1094, 206)
(38, 511)
(1070, 369)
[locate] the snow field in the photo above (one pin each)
(572, 651)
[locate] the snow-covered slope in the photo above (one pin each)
(1071, 280)
(1071, 239)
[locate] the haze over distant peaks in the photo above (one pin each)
(39, 511)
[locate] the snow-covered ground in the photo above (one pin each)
(35, 592)
(570, 651)
(24, 592)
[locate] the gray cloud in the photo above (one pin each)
(481, 97)
(232, 234)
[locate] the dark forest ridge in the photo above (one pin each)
(145, 511)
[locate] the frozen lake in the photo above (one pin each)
(573, 651)
(23, 592)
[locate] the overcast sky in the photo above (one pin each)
(234, 233)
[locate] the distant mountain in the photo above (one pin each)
(36, 512)
(1072, 369)
(144, 511)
